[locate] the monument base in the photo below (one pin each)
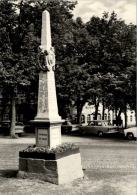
(47, 133)
(65, 167)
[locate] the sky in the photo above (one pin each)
(125, 9)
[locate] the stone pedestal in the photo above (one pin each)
(58, 171)
(47, 133)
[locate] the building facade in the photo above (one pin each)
(89, 110)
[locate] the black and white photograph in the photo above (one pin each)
(68, 122)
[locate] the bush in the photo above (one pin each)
(59, 149)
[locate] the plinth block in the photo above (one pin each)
(47, 133)
(60, 171)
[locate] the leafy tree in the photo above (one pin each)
(75, 76)
(95, 60)
(20, 30)
(112, 52)
(17, 53)
(61, 22)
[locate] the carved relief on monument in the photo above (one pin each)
(46, 59)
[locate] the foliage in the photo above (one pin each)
(113, 53)
(17, 50)
(20, 31)
(59, 149)
(95, 61)
(74, 89)
(96, 64)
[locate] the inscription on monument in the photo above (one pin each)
(43, 139)
(43, 93)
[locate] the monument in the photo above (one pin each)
(49, 160)
(48, 122)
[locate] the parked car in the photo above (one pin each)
(5, 127)
(98, 127)
(29, 127)
(68, 127)
(130, 133)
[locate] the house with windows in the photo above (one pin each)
(26, 107)
(89, 110)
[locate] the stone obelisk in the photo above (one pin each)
(57, 167)
(47, 121)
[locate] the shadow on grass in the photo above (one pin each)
(114, 136)
(8, 173)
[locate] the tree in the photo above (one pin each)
(113, 53)
(74, 88)
(20, 31)
(17, 51)
(97, 54)
(61, 22)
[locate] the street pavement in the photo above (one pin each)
(109, 164)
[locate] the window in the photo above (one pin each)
(131, 118)
(19, 117)
(99, 124)
(5, 117)
(88, 118)
(92, 116)
(82, 119)
(109, 117)
(99, 116)
(105, 116)
(104, 123)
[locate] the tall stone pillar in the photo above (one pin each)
(55, 166)
(47, 120)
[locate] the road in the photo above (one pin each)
(110, 161)
(109, 164)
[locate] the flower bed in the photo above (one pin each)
(49, 154)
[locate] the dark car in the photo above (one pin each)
(5, 128)
(68, 127)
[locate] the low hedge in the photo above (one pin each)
(49, 154)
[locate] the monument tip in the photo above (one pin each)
(46, 12)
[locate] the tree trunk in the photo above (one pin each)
(119, 114)
(136, 117)
(118, 118)
(115, 114)
(125, 113)
(79, 111)
(96, 111)
(13, 117)
(103, 110)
